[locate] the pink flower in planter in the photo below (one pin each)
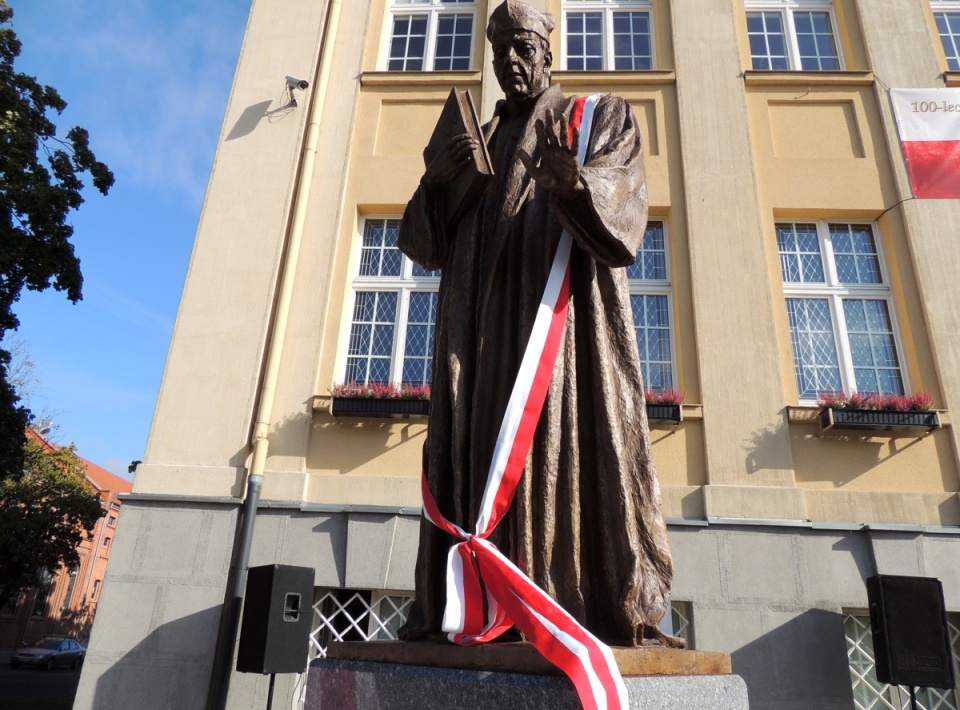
(667, 396)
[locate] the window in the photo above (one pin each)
(792, 35)
(359, 615)
(650, 297)
(608, 34)
(394, 312)
(96, 590)
(8, 605)
(44, 587)
(71, 586)
(106, 542)
(112, 521)
(678, 621)
(947, 15)
(431, 35)
(869, 693)
(838, 304)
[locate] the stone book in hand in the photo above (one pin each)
(458, 117)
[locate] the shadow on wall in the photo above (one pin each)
(170, 668)
(253, 114)
(800, 664)
(765, 450)
(344, 444)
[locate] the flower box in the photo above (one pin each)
(373, 407)
(867, 419)
(665, 412)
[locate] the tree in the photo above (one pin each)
(40, 184)
(44, 515)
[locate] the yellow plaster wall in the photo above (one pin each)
(818, 151)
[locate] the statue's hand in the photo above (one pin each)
(558, 171)
(449, 162)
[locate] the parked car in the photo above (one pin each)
(49, 652)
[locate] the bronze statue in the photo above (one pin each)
(586, 524)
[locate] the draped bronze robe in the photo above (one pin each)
(585, 524)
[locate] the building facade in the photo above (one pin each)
(785, 257)
(65, 603)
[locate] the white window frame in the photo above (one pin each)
(403, 285)
(949, 7)
(787, 8)
(836, 293)
(660, 287)
(432, 9)
(607, 8)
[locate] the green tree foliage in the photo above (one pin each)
(44, 515)
(40, 184)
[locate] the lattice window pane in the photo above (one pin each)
(800, 258)
(768, 46)
(855, 253)
(380, 255)
(371, 337)
(418, 355)
(651, 263)
(651, 318)
(814, 349)
(585, 40)
(818, 49)
(872, 347)
(454, 33)
(632, 48)
(948, 25)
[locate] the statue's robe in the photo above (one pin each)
(585, 524)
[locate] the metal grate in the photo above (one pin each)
(357, 615)
(869, 693)
(681, 616)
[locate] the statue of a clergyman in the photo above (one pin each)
(585, 523)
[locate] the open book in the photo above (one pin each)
(459, 116)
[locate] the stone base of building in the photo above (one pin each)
(687, 680)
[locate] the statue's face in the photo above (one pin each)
(520, 61)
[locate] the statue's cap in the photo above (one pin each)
(516, 16)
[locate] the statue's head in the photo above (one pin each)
(520, 36)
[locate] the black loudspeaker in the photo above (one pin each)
(911, 639)
(277, 611)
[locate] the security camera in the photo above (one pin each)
(295, 83)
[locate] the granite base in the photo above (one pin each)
(335, 684)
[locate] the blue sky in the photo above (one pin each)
(149, 79)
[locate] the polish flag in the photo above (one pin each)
(929, 125)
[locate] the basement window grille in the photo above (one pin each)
(869, 693)
(358, 615)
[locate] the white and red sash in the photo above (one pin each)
(479, 576)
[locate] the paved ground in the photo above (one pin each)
(21, 684)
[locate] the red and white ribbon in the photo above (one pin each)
(486, 593)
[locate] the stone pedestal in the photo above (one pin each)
(398, 676)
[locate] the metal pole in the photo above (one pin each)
(228, 639)
(273, 679)
(230, 619)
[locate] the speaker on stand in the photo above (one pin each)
(275, 627)
(911, 639)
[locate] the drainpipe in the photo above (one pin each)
(223, 663)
